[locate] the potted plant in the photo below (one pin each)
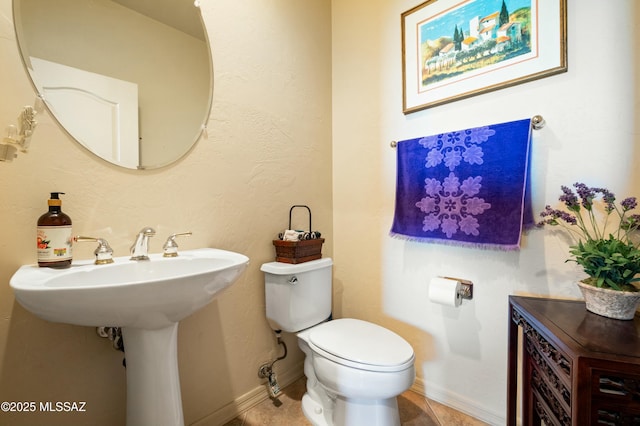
(604, 248)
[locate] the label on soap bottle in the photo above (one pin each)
(54, 243)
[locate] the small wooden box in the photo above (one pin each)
(298, 251)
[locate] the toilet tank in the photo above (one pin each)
(298, 296)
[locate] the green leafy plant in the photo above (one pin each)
(605, 251)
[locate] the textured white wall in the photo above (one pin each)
(590, 136)
(269, 147)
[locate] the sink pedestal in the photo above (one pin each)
(153, 383)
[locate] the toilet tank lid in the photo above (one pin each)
(362, 342)
(281, 268)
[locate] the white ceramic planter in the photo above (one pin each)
(609, 303)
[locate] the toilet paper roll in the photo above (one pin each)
(445, 291)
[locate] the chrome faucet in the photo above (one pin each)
(140, 249)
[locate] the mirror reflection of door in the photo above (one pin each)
(100, 111)
(159, 45)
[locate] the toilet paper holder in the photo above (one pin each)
(466, 288)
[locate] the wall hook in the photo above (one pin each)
(19, 137)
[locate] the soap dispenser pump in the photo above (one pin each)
(54, 236)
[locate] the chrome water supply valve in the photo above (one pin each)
(266, 370)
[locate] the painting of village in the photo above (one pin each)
(475, 35)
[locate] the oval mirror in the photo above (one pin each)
(130, 80)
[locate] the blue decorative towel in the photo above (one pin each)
(467, 187)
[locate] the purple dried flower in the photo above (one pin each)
(608, 197)
(569, 218)
(569, 198)
(629, 203)
(586, 194)
(552, 216)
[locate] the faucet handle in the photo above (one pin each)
(170, 246)
(104, 252)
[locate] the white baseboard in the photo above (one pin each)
(249, 400)
(457, 402)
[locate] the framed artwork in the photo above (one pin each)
(454, 49)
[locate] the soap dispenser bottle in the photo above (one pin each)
(54, 236)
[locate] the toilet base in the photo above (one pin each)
(366, 412)
(353, 412)
(313, 411)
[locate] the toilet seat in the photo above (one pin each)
(362, 345)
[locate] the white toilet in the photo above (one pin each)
(354, 369)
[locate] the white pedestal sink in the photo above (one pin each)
(147, 299)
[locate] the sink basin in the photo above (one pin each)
(142, 294)
(147, 299)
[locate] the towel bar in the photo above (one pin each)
(537, 123)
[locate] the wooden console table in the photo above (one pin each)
(578, 368)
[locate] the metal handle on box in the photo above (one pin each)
(306, 207)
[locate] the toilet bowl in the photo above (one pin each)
(361, 367)
(354, 369)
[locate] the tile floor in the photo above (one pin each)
(415, 410)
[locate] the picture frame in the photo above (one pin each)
(455, 49)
